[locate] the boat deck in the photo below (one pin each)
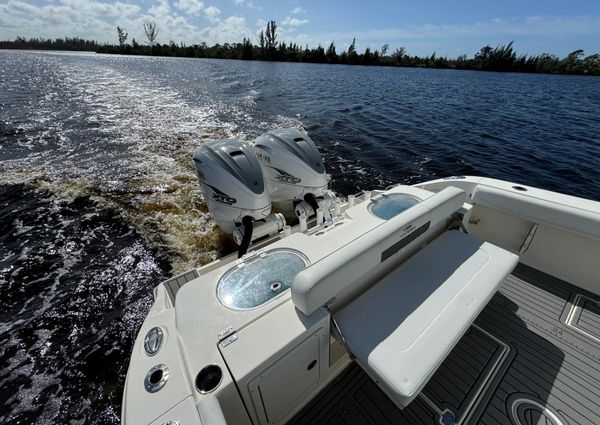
(531, 357)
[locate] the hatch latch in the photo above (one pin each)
(226, 336)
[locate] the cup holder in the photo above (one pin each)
(209, 378)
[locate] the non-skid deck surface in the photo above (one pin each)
(532, 357)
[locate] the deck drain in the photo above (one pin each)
(448, 417)
(275, 286)
(523, 410)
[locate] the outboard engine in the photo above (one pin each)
(234, 188)
(294, 171)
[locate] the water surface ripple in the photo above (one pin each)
(99, 200)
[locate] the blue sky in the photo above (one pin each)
(422, 27)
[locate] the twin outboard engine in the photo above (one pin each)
(240, 180)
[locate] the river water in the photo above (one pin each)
(99, 200)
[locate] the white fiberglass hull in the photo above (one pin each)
(252, 355)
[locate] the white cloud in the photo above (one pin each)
(97, 20)
(193, 7)
(103, 9)
(294, 22)
(247, 3)
(160, 9)
(232, 29)
(72, 18)
(297, 10)
(212, 13)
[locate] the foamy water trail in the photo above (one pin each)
(137, 160)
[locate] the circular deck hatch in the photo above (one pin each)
(260, 278)
(388, 206)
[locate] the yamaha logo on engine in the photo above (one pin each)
(263, 156)
(222, 197)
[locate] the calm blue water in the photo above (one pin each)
(99, 201)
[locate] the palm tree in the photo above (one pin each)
(151, 30)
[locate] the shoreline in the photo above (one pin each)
(200, 52)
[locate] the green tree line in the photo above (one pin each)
(501, 58)
(67, 43)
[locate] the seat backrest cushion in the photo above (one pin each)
(347, 267)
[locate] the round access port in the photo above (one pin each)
(209, 378)
(156, 378)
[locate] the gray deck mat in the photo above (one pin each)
(520, 364)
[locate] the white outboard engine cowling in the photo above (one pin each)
(293, 168)
(232, 181)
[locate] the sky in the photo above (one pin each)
(446, 27)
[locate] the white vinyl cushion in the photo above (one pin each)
(402, 328)
(343, 268)
(210, 411)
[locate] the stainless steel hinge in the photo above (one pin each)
(226, 336)
(249, 257)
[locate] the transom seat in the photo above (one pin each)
(402, 328)
(401, 317)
